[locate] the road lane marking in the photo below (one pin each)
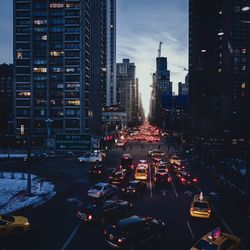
(150, 182)
(176, 194)
(71, 236)
(222, 220)
(190, 230)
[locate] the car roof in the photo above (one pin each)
(135, 219)
(126, 155)
(101, 184)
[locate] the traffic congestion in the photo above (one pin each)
(140, 194)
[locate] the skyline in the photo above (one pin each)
(138, 38)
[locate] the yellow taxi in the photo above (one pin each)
(13, 224)
(141, 173)
(200, 206)
(217, 240)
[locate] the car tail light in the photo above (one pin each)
(183, 180)
(90, 217)
(183, 167)
(162, 173)
(134, 190)
(195, 180)
(209, 210)
(105, 231)
(99, 171)
(169, 179)
(120, 240)
(191, 209)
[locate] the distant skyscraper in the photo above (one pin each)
(58, 65)
(126, 88)
(110, 52)
(183, 88)
(219, 67)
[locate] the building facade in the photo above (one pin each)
(6, 99)
(219, 68)
(126, 89)
(109, 95)
(57, 74)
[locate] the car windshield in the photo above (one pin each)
(161, 171)
(162, 167)
(200, 205)
(8, 218)
(203, 244)
(126, 161)
(97, 187)
(141, 170)
(118, 174)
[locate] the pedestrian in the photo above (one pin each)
(159, 146)
(141, 145)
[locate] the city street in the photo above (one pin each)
(55, 225)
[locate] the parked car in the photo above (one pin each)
(133, 231)
(35, 158)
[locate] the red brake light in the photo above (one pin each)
(90, 217)
(195, 180)
(183, 180)
(169, 179)
(209, 210)
(99, 171)
(183, 167)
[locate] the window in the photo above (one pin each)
(56, 53)
(72, 5)
(40, 70)
(56, 5)
(72, 102)
(40, 21)
(39, 62)
(23, 94)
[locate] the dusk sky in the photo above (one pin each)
(141, 25)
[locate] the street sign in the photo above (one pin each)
(72, 142)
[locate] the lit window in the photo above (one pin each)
(40, 21)
(40, 70)
(56, 53)
(23, 94)
(243, 85)
(56, 5)
(72, 5)
(243, 67)
(244, 51)
(19, 54)
(44, 37)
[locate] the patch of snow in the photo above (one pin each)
(14, 195)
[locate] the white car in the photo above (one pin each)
(101, 190)
(90, 158)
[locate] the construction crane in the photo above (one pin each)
(159, 50)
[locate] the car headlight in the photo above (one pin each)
(26, 223)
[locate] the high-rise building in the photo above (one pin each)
(161, 88)
(58, 65)
(219, 67)
(6, 99)
(109, 97)
(126, 88)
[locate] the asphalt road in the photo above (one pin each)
(55, 226)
